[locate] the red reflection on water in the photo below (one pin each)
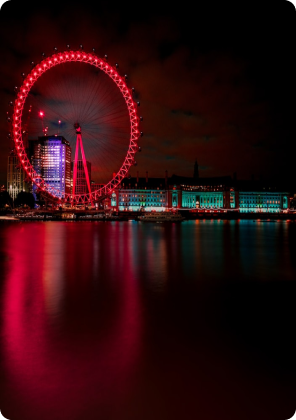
(53, 373)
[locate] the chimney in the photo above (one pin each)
(147, 176)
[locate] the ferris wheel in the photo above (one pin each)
(80, 97)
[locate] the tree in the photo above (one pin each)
(5, 199)
(25, 198)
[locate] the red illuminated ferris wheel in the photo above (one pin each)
(83, 98)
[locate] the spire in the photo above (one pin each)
(195, 173)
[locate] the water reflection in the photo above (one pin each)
(87, 356)
(53, 269)
(264, 251)
(136, 321)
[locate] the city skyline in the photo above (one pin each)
(221, 97)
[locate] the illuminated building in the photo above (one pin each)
(206, 193)
(244, 201)
(146, 194)
(232, 199)
(217, 193)
(202, 199)
(269, 202)
(51, 159)
(262, 196)
(15, 176)
(137, 199)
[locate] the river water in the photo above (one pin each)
(132, 321)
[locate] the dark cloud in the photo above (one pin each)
(216, 84)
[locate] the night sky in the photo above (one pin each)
(216, 84)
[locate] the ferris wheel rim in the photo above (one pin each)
(17, 135)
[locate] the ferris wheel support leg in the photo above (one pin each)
(75, 170)
(85, 169)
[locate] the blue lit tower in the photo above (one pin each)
(51, 158)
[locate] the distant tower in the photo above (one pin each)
(195, 173)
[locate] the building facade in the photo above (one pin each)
(140, 199)
(203, 194)
(268, 202)
(16, 176)
(51, 159)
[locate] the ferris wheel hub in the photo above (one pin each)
(77, 128)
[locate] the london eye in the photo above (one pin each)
(80, 97)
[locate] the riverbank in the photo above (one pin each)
(81, 215)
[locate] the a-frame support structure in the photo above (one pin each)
(79, 144)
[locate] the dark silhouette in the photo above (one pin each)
(5, 199)
(24, 198)
(195, 173)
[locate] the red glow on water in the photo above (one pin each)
(98, 322)
(55, 363)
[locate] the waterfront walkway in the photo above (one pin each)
(94, 215)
